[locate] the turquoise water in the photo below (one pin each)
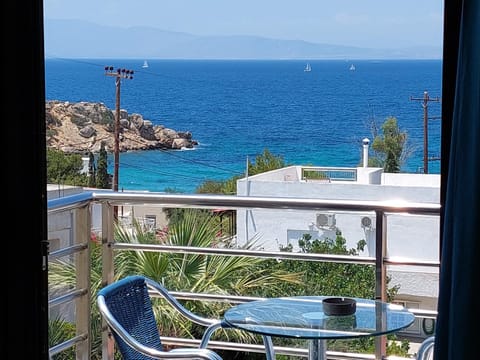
(236, 109)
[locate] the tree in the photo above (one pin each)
(263, 162)
(91, 170)
(389, 147)
(227, 187)
(65, 168)
(102, 178)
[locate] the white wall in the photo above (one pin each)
(412, 236)
(272, 226)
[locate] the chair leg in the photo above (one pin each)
(426, 348)
(269, 350)
(208, 334)
(267, 340)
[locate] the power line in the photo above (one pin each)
(110, 72)
(425, 100)
(118, 75)
(155, 171)
(172, 153)
(86, 142)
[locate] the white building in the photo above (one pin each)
(279, 228)
(411, 236)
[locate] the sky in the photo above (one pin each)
(363, 23)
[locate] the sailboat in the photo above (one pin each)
(352, 67)
(145, 64)
(308, 68)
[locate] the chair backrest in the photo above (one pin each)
(129, 303)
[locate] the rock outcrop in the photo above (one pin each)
(82, 127)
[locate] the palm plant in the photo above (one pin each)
(61, 276)
(213, 274)
(58, 331)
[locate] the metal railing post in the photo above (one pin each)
(108, 232)
(81, 235)
(380, 274)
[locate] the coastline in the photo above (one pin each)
(82, 127)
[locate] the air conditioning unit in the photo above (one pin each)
(366, 222)
(325, 220)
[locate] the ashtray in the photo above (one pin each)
(339, 306)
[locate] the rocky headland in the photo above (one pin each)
(82, 127)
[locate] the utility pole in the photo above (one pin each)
(118, 75)
(425, 100)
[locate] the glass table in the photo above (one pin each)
(302, 317)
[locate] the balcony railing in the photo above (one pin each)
(76, 216)
(328, 174)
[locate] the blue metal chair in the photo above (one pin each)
(127, 309)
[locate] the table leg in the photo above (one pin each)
(317, 350)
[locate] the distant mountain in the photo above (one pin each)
(82, 39)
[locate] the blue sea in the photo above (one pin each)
(237, 109)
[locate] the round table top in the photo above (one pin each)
(303, 317)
